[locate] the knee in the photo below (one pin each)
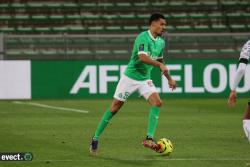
(158, 103)
(115, 106)
(114, 109)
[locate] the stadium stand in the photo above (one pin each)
(119, 17)
(128, 16)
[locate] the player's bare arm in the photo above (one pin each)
(161, 60)
(145, 59)
(171, 82)
(232, 98)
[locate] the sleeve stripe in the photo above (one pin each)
(142, 52)
(243, 60)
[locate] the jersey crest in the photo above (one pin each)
(141, 47)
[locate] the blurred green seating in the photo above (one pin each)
(8, 30)
(209, 51)
(229, 51)
(5, 17)
(105, 53)
(220, 28)
(125, 29)
(201, 52)
(123, 4)
(129, 16)
(238, 27)
(192, 51)
(174, 51)
(159, 4)
(88, 5)
(123, 16)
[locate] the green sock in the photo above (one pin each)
(103, 123)
(153, 120)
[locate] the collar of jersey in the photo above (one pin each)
(151, 36)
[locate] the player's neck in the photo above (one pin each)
(154, 35)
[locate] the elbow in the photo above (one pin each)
(142, 57)
(241, 68)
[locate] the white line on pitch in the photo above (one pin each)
(167, 159)
(51, 107)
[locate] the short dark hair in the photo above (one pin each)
(155, 17)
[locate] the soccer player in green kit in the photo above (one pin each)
(147, 53)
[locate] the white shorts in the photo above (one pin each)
(127, 86)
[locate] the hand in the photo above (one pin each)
(232, 99)
(172, 84)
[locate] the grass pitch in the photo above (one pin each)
(205, 132)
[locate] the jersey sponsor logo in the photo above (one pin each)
(191, 83)
(141, 47)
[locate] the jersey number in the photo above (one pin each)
(124, 96)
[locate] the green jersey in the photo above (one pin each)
(145, 43)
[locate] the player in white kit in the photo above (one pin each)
(243, 60)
